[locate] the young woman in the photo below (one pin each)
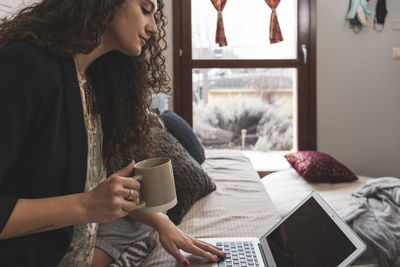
(75, 84)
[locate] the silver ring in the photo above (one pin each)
(129, 198)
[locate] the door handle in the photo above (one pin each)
(304, 49)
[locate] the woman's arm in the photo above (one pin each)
(104, 203)
(173, 239)
(32, 216)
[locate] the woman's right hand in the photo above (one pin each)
(108, 201)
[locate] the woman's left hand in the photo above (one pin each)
(173, 239)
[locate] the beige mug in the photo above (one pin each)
(157, 189)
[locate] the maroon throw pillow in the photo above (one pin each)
(317, 167)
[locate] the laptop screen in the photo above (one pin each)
(309, 237)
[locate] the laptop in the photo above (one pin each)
(312, 234)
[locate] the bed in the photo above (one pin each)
(245, 205)
(240, 206)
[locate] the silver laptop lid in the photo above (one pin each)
(312, 234)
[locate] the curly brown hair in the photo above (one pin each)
(122, 85)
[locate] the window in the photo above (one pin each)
(250, 94)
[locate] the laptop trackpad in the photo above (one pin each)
(196, 261)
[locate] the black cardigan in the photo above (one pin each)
(43, 145)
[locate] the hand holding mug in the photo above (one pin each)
(113, 198)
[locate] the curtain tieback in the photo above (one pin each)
(219, 15)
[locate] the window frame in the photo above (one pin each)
(306, 82)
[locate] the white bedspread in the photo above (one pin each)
(286, 189)
(239, 207)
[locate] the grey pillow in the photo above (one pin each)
(191, 181)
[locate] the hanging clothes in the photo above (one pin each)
(360, 9)
(275, 34)
(354, 5)
(220, 34)
(362, 18)
(354, 22)
(381, 13)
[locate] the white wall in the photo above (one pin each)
(358, 91)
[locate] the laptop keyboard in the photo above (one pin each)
(238, 254)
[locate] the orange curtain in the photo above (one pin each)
(220, 34)
(275, 35)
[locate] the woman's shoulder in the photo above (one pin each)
(31, 63)
(26, 54)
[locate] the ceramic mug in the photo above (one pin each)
(157, 190)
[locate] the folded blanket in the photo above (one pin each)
(374, 214)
